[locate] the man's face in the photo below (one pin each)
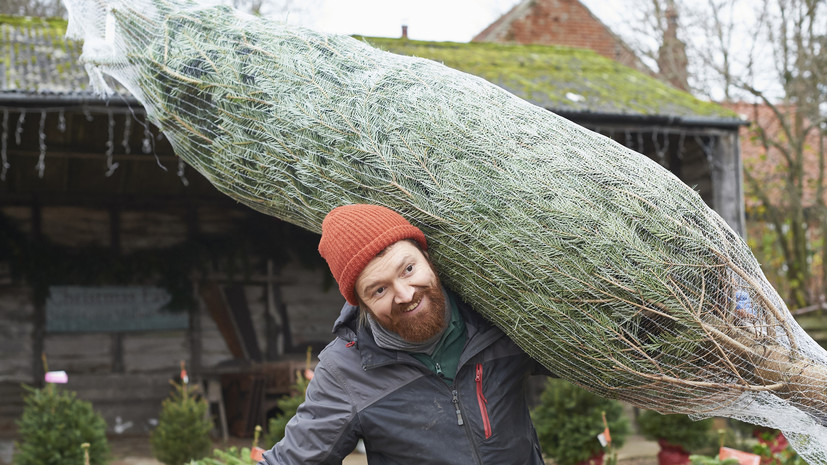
(402, 292)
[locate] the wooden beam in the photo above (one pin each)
(220, 312)
(146, 201)
(73, 154)
(194, 333)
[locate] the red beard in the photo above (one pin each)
(426, 323)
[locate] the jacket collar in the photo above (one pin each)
(481, 334)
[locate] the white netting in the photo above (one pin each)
(597, 261)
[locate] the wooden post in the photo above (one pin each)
(39, 316)
(194, 312)
(274, 340)
(117, 365)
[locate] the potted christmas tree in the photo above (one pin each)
(54, 427)
(183, 431)
(678, 435)
(569, 420)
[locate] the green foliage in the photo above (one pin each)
(54, 426)
(569, 418)
(288, 406)
(676, 429)
(183, 431)
(787, 456)
(231, 456)
(704, 460)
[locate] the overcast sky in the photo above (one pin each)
(461, 20)
(448, 20)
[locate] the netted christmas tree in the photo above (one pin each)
(597, 261)
(54, 427)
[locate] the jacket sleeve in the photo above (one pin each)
(324, 429)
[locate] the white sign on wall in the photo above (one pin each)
(111, 309)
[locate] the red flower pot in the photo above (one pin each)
(672, 454)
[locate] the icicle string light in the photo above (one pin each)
(41, 141)
(18, 131)
(111, 166)
(181, 174)
(61, 121)
(127, 133)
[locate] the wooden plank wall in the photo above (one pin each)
(126, 375)
(16, 327)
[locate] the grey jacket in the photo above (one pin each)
(408, 415)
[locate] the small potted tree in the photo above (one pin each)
(569, 420)
(678, 435)
(183, 431)
(54, 428)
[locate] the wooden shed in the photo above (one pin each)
(117, 261)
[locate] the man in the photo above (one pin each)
(413, 371)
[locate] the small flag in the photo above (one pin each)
(605, 438)
(184, 378)
(59, 377)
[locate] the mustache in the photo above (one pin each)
(397, 309)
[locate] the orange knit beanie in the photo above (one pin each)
(352, 235)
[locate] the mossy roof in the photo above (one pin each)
(562, 78)
(36, 59)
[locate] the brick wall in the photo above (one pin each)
(558, 22)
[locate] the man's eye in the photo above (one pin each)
(409, 268)
(380, 290)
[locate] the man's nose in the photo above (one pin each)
(403, 292)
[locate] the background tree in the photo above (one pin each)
(787, 180)
(764, 59)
